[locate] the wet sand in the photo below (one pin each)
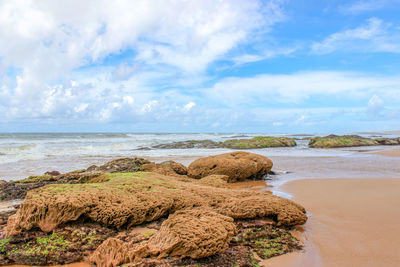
(387, 153)
(352, 222)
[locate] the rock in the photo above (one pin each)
(112, 252)
(214, 180)
(236, 165)
(166, 168)
(189, 144)
(127, 199)
(388, 141)
(195, 233)
(332, 141)
(52, 173)
(123, 165)
(259, 142)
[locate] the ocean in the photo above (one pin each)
(24, 154)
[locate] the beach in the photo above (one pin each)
(350, 194)
(352, 222)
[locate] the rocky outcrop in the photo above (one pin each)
(236, 165)
(332, 141)
(202, 214)
(128, 199)
(18, 189)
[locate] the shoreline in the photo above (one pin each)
(352, 222)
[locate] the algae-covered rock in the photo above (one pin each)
(128, 199)
(188, 144)
(248, 143)
(259, 142)
(236, 165)
(332, 141)
(267, 240)
(122, 165)
(17, 189)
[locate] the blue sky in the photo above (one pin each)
(200, 66)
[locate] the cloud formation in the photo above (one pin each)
(189, 65)
(375, 36)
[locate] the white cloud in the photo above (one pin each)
(189, 106)
(296, 88)
(270, 53)
(376, 36)
(48, 41)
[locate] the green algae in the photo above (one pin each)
(268, 241)
(36, 179)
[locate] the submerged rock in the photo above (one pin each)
(236, 165)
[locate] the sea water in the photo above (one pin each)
(24, 154)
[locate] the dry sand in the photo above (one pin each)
(352, 222)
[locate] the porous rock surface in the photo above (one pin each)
(166, 168)
(128, 199)
(236, 165)
(194, 233)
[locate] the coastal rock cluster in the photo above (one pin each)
(244, 143)
(330, 141)
(120, 197)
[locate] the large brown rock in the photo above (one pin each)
(237, 165)
(194, 233)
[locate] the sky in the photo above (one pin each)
(300, 66)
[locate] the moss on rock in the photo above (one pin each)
(332, 141)
(259, 142)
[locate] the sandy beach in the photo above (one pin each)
(352, 222)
